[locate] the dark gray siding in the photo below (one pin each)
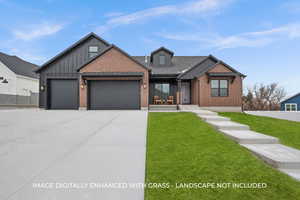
(66, 66)
(199, 69)
(155, 58)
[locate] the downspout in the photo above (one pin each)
(149, 74)
(198, 85)
(242, 107)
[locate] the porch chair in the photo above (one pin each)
(170, 100)
(157, 100)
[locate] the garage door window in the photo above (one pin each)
(291, 107)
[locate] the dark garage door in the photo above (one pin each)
(63, 94)
(114, 95)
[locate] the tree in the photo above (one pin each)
(264, 97)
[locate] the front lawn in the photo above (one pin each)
(183, 149)
(287, 131)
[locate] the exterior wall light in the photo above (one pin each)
(144, 85)
(42, 88)
(81, 86)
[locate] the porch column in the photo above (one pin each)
(178, 93)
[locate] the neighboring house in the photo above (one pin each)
(19, 84)
(291, 104)
(93, 74)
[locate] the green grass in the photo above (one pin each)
(183, 149)
(287, 131)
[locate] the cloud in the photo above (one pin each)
(37, 31)
(113, 14)
(293, 7)
(27, 54)
(248, 39)
(197, 7)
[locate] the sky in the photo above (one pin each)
(258, 38)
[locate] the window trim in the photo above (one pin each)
(219, 88)
(290, 104)
(93, 52)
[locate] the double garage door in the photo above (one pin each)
(102, 95)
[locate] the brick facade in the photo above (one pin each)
(201, 92)
(115, 61)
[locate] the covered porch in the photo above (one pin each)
(168, 90)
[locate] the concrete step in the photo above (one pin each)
(190, 107)
(277, 155)
(204, 113)
(213, 118)
(162, 107)
(249, 137)
(228, 125)
(295, 173)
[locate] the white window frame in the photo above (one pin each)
(291, 104)
(93, 50)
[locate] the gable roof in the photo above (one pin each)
(162, 49)
(182, 65)
(106, 50)
(19, 66)
(298, 94)
(70, 48)
(178, 64)
(205, 67)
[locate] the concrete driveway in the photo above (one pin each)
(72, 154)
(293, 116)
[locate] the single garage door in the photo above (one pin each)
(63, 94)
(108, 95)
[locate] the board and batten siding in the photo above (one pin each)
(168, 58)
(67, 65)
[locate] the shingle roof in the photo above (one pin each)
(19, 66)
(107, 49)
(162, 49)
(178, 66)
(290, 97)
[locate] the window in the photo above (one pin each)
(290, 107)
(162, 90)
(219, 88)
(93, 51)
(162, 59)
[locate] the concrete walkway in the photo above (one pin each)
(293, 116)
(285, 159)
(73, 151)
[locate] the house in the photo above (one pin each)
(291, 104)
(93, 74)
(19, 84)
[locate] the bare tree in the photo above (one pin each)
(264, 97)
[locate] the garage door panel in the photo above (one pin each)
(114, 95)
(63, 94)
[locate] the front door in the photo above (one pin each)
(185, 93)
